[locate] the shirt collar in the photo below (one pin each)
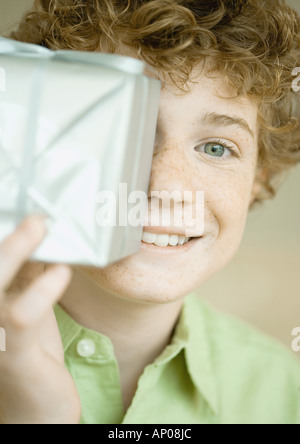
(68, 328)
(191, 335)
(198, 353)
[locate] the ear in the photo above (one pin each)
(258, 184)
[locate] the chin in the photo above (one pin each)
(158, 275)
(135, 280)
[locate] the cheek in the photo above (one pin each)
(228, 206)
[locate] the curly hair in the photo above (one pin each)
(254, 43)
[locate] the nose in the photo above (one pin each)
(169, 168)
(172, 192)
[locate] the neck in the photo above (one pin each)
(139, 331)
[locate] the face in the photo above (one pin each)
(207, 142)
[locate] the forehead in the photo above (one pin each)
(208, 93)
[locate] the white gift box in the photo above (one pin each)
(73, 125)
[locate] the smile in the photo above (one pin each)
(167, 242)
(164, 240)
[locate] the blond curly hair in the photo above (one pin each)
(254, 43)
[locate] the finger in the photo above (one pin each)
(31, 270)
(33, 304)
(26, 275)
(18, 247)
(49, 337)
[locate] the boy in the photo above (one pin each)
(138, 347)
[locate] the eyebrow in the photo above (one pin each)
(215, 119)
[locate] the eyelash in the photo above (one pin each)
(224, 145)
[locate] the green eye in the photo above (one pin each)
(214, 149)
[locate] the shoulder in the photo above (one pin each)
(234, 335)
(253, 371)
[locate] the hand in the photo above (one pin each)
(35, 386)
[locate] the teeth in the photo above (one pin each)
(173, 240)
(149, 238)
(181, 240)
(163, 240)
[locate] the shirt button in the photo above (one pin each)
(86, 348)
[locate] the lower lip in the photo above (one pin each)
(170, 250)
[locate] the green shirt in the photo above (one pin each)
(216, 370)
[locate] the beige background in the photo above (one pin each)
(262, 284)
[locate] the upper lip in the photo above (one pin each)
(167, 230)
